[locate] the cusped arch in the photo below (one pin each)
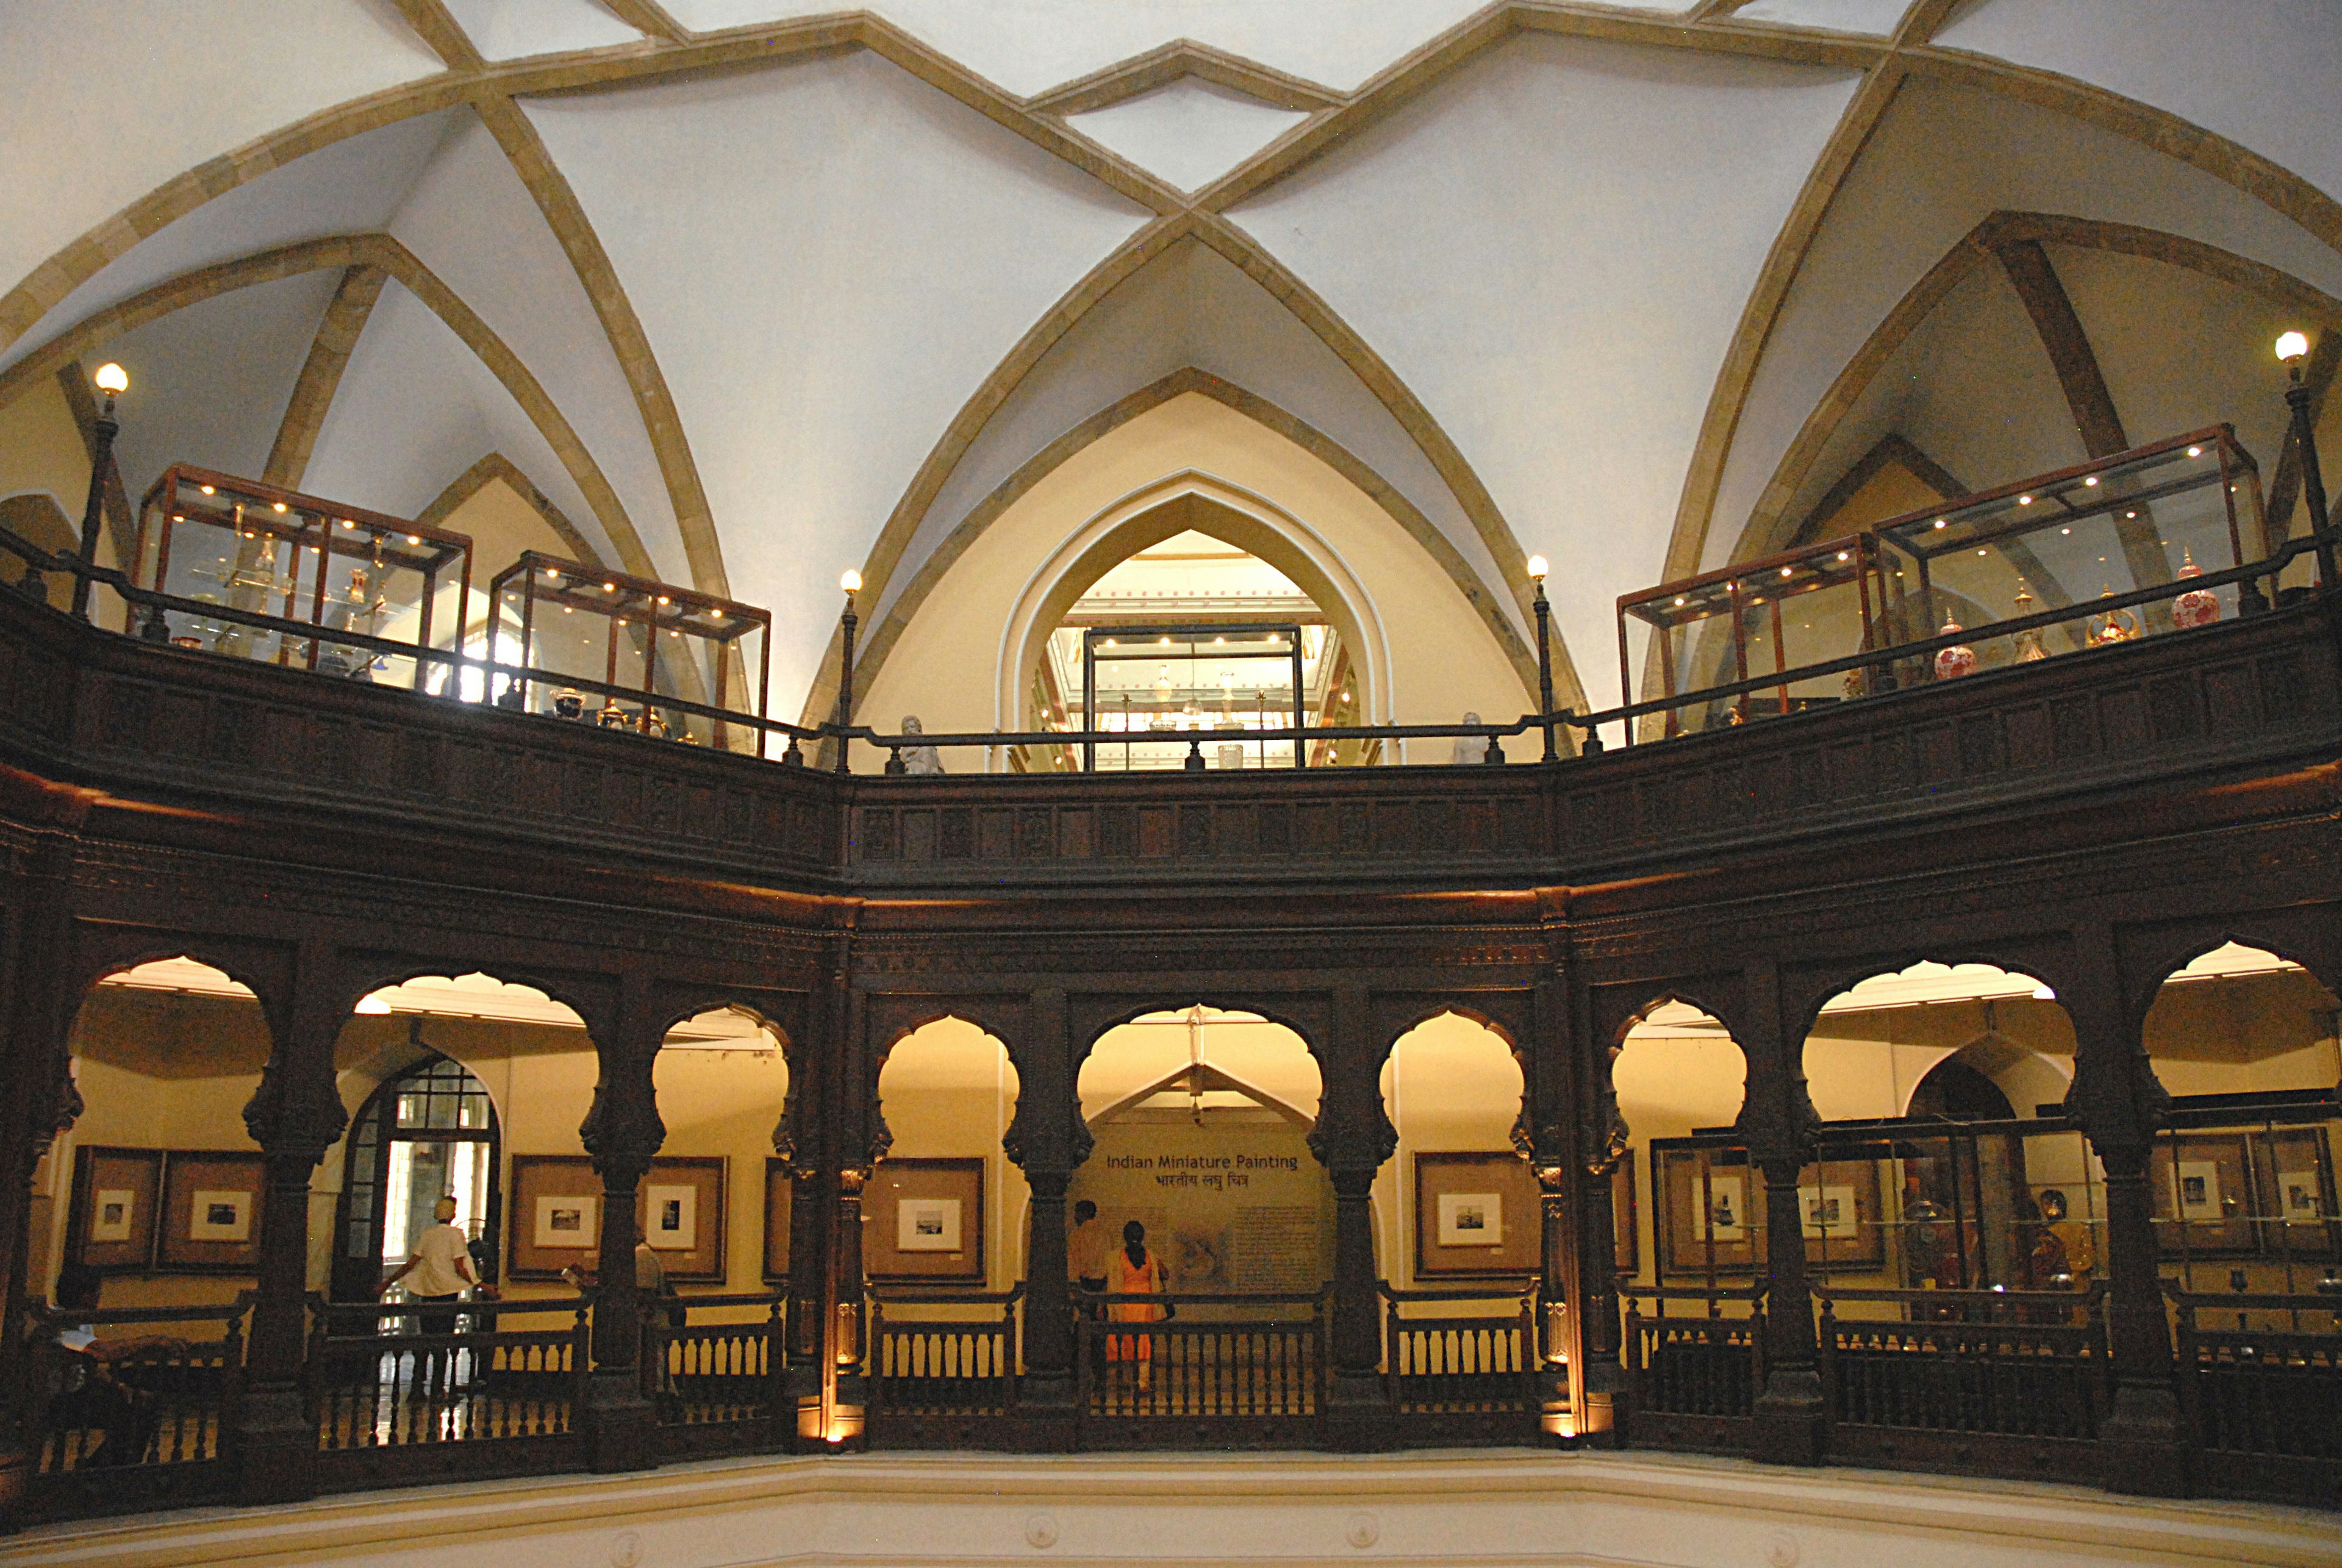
(1817, 988)
(263, 972)
(1087, 1040)
(881, 1135)
(2161, 960)
(359, 983)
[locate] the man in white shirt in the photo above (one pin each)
(439, 1271)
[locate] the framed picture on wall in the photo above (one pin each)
(554, 1218)
(2200, 1184)
(780, 1193)
(1477, 1216)
(1626, 1248)
(2298, 1163)
(210, 1213)
(681, 1207)
(1702, 1219)
(923, 1220)
(116, 1200)
(1839, 1206)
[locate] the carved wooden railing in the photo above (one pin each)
(1251, 1367)
(718, 1378)
(144, 1427)
(2264, 1398)
(925, 1363)
(377, 1385)
(1967, 1365)
(1436, 1363)
(1691, 1379)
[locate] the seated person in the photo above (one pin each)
(118, 1421)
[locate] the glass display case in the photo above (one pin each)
(1803, 607)
(1154, 684)
(217, 539)
(562, 626)
(2147, 518)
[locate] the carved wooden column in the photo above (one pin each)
(294, 1116)
(1048, 1141)
(796, 1145)
(845, 1398)
(2119, 1102)
(1778, 1121)
(622, 1133)
(1352, 1139)
(43, 1104)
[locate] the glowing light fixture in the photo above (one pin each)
(2195, 452)
(209, 490)
(113, 381)
(2290, 347)
(1536, 568)
(851, 581)
(2025, 501)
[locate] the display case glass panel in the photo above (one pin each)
(2147, 518)
(217, 539)
(1804, 606)
(563, 628)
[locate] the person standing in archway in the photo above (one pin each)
(1135, 1272)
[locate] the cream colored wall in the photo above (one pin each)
(947, 668)
(41, 447)
(1451, 1085)
(948, 1090)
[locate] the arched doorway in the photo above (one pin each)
(429, 1132)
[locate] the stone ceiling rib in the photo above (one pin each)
(321, 373)
(649, 18)
(561, 210)
(387, 255)
(1184, 57)
(431, 21)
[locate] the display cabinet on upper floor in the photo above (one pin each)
(2154, 517)
(217, 539)
(560, 624)
(1803, 607)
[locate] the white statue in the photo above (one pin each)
(922, 760)
(1471, 749)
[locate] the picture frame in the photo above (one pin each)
(2201, 1190)
(209, 1219)
(1726, 1239)
(1625, 1240)
(780, 1198)
(1844, 1214)
(680, 1205)
(553, 1216)
(2297, 1166)
(1479, 1215)
(932, 1203)
(115, 1204)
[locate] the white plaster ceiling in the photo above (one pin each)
(352, 186)
(212, 381)
(1190, 132)
(2259, 72)
(1030, 45)
(101, 102)
(1560, 311)
(1945, 159)
(1191, 306)
(876, 248)
(414, 410)
(470, 220)
(1550, 248)
(511, 29)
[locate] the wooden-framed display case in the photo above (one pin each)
(2148, 517)
(1802, 606)
(216, 538)
(558, 622)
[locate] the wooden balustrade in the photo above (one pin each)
(376, 1386)
(148, 1423)
(2265, 1402)
(925, 1364)
(711, 1382)
(1434, 1363)
(1222, 1369)
(1692, 1380)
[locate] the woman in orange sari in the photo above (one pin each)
(1132, 1271)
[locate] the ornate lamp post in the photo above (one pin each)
(112, 381)
(1544, 654)
(2292, 348)
(851, 583)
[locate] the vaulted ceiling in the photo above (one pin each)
(751, 290)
